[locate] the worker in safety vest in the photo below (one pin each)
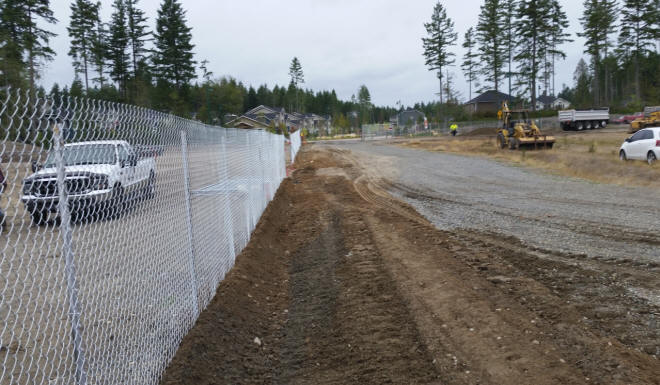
(453, 128)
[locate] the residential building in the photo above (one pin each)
(489, 101)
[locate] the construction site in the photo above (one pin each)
(419, 261)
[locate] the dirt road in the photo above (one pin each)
(342, 283)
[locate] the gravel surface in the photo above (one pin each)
(566, 215)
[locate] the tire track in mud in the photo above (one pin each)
(346, 318)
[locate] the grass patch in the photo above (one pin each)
(592, 156)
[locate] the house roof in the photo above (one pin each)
(491, 96)
(546, 99)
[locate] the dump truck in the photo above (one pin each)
(584, 119)
(651, 118)
(519, 132)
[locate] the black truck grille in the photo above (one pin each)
(48, 188)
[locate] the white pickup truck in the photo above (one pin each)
(584, 119)
(101, 178)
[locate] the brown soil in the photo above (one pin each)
(343, 284)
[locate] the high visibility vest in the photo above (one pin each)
(453, 127)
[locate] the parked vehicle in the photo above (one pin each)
(101, 177)
(643, 145)
(650, 118)
(626, 119)
(584, 119)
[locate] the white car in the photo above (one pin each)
(643, 145)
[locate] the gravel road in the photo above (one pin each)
(570, 216)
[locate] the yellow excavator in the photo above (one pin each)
(519, 132)
(651, 119)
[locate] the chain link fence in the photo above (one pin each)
(485, 127)
(119, 223)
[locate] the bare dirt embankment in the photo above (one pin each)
(343, 284)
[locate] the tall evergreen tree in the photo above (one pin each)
(490, 37)
(470, 65)
(598, 23)
(138, 35)
(100, 47)
(508, 21)
(556, 37)
(297, 78)
(173, 57)
(441, 37)
(82, 27)
(118, 55)
(638, 33)
(24, 40)
(364, 100)
(532, 30)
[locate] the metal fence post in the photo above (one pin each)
(70, 267)
(226, 211)
(191, 256)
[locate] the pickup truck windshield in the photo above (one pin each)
(85, 154)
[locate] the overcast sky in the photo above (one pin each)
(340, 43)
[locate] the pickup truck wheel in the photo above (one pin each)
(117, 202)
(151, 186)
(39, 218)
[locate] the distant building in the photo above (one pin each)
(545, 102)
(561, 104)
(409, 118)
(489, 101)
(263, 117)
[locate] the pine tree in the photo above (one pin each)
(509, 39)
(24, 40)
(441, 37)
(638, 33)
(11, 44)
(490, 37)
(173, 57)
(81, 30)
(297, 78)
(598, 23)
(138, 35)
(470, 65)
(100, 47)
(118, 55)
(364, 100)
(532, 29)
(556, 37)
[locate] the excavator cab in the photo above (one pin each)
(519, 132)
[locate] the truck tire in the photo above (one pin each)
(580, 126)
(603, 123)
(150, 189)
(117, 203)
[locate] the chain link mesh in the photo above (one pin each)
(119, 222)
